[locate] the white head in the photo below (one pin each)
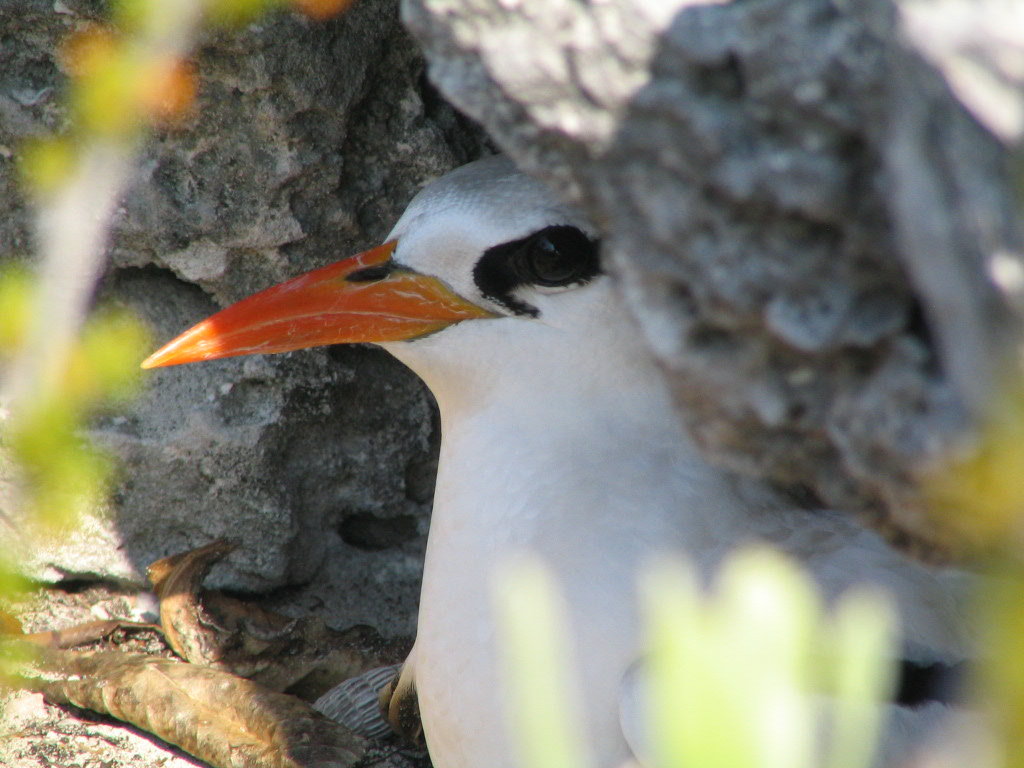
(504, 242)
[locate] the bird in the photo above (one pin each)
(559, 439)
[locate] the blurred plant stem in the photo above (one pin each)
(126, 77)
(75, 207)
(998, 689)
(72, 229)
(543, 704)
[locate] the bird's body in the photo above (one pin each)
(598, 492)
(559, 438)
(613, 470)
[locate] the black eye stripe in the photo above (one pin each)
(554, 256)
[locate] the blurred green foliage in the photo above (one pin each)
(742, 677)
(230, 12)
(59, 473)
(543, 711)
(999, 689)
(978, 494)
(765, 632)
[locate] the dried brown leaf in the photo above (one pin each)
(190, 631)
(224, 720)
(213, 629)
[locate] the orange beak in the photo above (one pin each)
(364, 298)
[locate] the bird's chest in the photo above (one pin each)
(590, 513)
(592, 519)
(458, 650)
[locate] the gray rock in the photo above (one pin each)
(817, 238)
(308, 140)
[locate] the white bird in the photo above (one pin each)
(558, 438)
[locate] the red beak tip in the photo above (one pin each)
(169, 354)
(153, 361)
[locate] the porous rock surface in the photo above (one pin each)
(307, 141)
(809, 204)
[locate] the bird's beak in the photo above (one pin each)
(364, 298)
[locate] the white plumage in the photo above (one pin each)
(559, 438)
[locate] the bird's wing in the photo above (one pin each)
(932, 602)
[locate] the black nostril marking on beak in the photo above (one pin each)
(370, 274)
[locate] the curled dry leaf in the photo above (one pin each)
(202, 706)
(212, 629)
(213, 715)
(193, 634)
(82, 634)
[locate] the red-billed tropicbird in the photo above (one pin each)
(558, 438)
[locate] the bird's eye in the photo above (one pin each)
(558, 256)
(554, 257)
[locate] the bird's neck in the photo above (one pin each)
(577, 456)
(539, 458)
(560, 441)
